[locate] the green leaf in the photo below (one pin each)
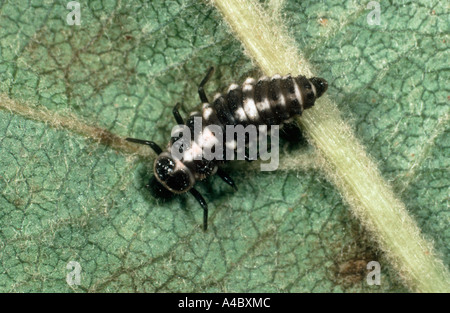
(72, 190)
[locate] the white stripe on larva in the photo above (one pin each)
(281, 100)
(232, 87)
(314, 89)
(216, 96)
(297, 93)
(240, 115)
(263, 105)
(250, 81)
(207, 113)
(249, 103)
(247, 88)
(250, 109)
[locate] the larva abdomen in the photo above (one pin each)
(268, 101)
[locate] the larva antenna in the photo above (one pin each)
(151, 144)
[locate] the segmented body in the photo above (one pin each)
(267, 101)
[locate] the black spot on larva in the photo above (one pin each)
(296, 108)
(287, 85)
(276, 100)
(259, 88)
(274, 89)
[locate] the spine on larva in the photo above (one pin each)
(268, 101)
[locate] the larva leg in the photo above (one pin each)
(177, 114)
(151, 144)
(201, 91)
(226, 178)
(292, 133)
(203, 204)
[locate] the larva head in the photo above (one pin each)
(320, 85)
(173, 174)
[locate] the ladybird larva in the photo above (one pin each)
(266, 101)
